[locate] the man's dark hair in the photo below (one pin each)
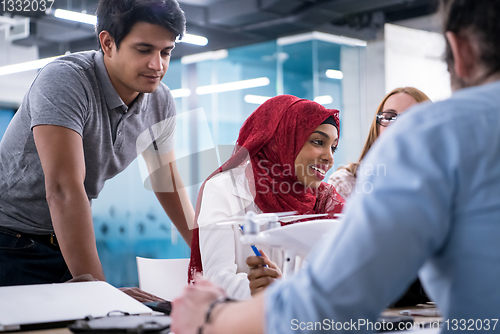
(119, 16)
(481, 18)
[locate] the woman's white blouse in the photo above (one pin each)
(343, 181)
(223, 255)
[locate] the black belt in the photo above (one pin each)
(46, 239)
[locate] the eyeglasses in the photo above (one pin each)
(386, 118)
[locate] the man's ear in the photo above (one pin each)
(107, 42)
(464, 54)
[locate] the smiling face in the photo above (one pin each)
(316, 156)
(141, 61)
(396, 103)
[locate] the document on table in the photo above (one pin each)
(50, 303)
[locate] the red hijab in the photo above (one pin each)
(272, 136)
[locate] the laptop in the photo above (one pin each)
(24, 307)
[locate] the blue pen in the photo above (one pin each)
(255, 250)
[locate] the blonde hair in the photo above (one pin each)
(374, 132)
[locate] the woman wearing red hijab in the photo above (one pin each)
(283, 151)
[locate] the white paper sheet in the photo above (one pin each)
(164, 278)
(43, 303)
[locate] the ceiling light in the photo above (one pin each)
(194, 39)
(27, 66)
(92, 19)
(320, 36)
(324, 99)
(183, 92)
(256, 99)
(75, 16)
(204, 56)
(230, 86)
(334, 74)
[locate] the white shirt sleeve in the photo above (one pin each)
(343, 181)
(218, 246)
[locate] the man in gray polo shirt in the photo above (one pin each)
(79, 125)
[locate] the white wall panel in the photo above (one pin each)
(415, 58)
(13, 87)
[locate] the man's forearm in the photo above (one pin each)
(179, 210)
(243, 317)
(167, 184)
(72, 220)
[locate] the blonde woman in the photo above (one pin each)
(393, 104)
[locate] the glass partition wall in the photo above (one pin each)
(214, 93)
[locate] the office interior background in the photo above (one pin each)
(344, 54)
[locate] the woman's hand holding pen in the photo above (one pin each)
(260, 276)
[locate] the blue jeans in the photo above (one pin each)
(26, 261)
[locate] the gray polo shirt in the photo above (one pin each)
(75, 92)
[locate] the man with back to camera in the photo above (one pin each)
(77, 127)
(436, 212)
